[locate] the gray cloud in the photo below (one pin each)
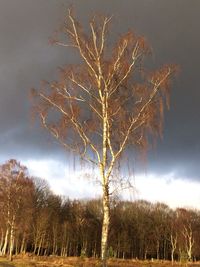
(26, 58)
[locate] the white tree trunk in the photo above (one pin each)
(189, 241)
(1, 244)
(5, 242)
(105, 226)
(11, 241)
(22, 248)
(173, 240)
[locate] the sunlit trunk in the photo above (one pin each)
(40, 245)
(16, 245)
(145, 254)
(189, 241)
(172, 256)
(35, 248)
(5, 242)
(105, 227)
(11, 241)
(173, 240)
(22, 249)
(36, 240)
(65, 247)
(1, 244)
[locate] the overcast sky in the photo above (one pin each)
(26, 58)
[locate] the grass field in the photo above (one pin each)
(80, 262)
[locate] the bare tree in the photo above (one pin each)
(173, 227)
(186, 228)
(16, 202)
(101, 107)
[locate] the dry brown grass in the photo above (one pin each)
(33, 261)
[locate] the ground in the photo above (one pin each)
(83, 262)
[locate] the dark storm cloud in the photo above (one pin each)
(26, 58)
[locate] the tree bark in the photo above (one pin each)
(173, 245)
(22, 248)
(157, 250)
(1, 244)
(105, 227)
(40, 245)
(5, 242)
(11, 241)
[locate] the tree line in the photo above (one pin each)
(35, 220)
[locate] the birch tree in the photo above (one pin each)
(173, 227)
(16, 202)
(105, 104)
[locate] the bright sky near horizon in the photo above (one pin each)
(169, 189)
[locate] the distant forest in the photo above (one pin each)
(35, 220)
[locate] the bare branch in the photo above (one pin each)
(79, 45)
(65, 45)
(106, 21)
(135, 56)
(84, 88)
